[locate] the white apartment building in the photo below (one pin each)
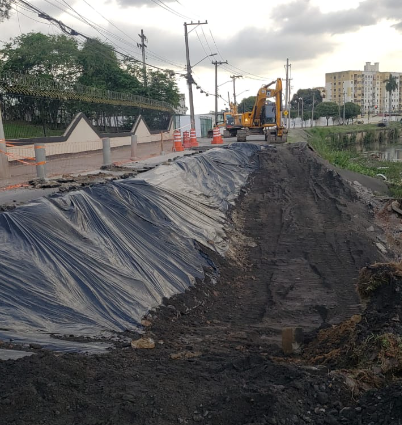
(366, 88)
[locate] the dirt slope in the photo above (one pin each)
(299, 240)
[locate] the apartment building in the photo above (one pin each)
(366, 88)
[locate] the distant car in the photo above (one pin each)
(383, 123)
(360, 122)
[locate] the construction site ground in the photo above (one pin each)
(300, 234)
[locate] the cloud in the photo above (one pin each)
(302, 17)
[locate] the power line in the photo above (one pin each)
(72, 32)
(169, 9)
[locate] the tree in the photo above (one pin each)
(162, 86)
(327, 110)
(390, 86)
(5, 7)
(246, 105)
(352, 110)
(307, 96)
(102, 69)
(51, 56)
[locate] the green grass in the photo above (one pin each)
(23, 130)
(320, 139)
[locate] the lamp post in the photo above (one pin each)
(212, 54)
(190, 80)
(300, 98)
(244, 91)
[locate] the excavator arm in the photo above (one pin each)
(256, 120)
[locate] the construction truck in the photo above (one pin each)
(266, 116)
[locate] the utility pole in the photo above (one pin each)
(287, 95)
(233, 77)
(189, 77)
(4, 167)
(142, 46)
(312, 113)
(216, 63)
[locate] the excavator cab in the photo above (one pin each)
(268, 113)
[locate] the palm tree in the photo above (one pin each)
(390, 86)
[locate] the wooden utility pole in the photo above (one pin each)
(216, 63)
(312, 113)
(142, 46)
(287, 94)
(189, 76)
(233, 77)
(4, 167)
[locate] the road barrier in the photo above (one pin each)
(217, 138)
(177, 147)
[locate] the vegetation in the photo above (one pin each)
(339, 150)
(307, 95)
(327, 110)
(390, 86)
(5, 6)
(94, 64)
(23, 130)
(246, 105)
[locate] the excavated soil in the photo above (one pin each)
(299, 240)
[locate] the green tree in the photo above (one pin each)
(163, 86)
(5, 7)
(327, 110)
(391, 85)
(352, 110)
(50, 56)
(246, 105)
(307, 95)
(102, 69)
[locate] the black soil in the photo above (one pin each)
(299, 239)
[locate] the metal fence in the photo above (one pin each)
(28, 116)
(32, 108)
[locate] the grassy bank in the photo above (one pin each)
(320, 139)
(22, 130)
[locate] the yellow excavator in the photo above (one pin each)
(266, 116)
(232, 121)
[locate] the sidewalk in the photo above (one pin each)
(15, 191)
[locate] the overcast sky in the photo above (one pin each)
(317, 36)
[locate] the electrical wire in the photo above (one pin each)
(98, 28)
(71, 32)
(169, 9)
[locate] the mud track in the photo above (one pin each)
(299, 240)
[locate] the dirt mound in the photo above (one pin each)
(299, 242)
(373, 340)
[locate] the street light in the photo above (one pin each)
(300, 98)
(244, 91)
(212, 54)
(224, 83)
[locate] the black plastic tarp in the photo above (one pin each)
(99, 258)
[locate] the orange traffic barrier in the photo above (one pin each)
(193, 139)
(177, 147)
(217, 138)
(186, 139)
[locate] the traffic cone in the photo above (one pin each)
(217, 138)
(193, 139)
(186, 139)
(178, 147)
